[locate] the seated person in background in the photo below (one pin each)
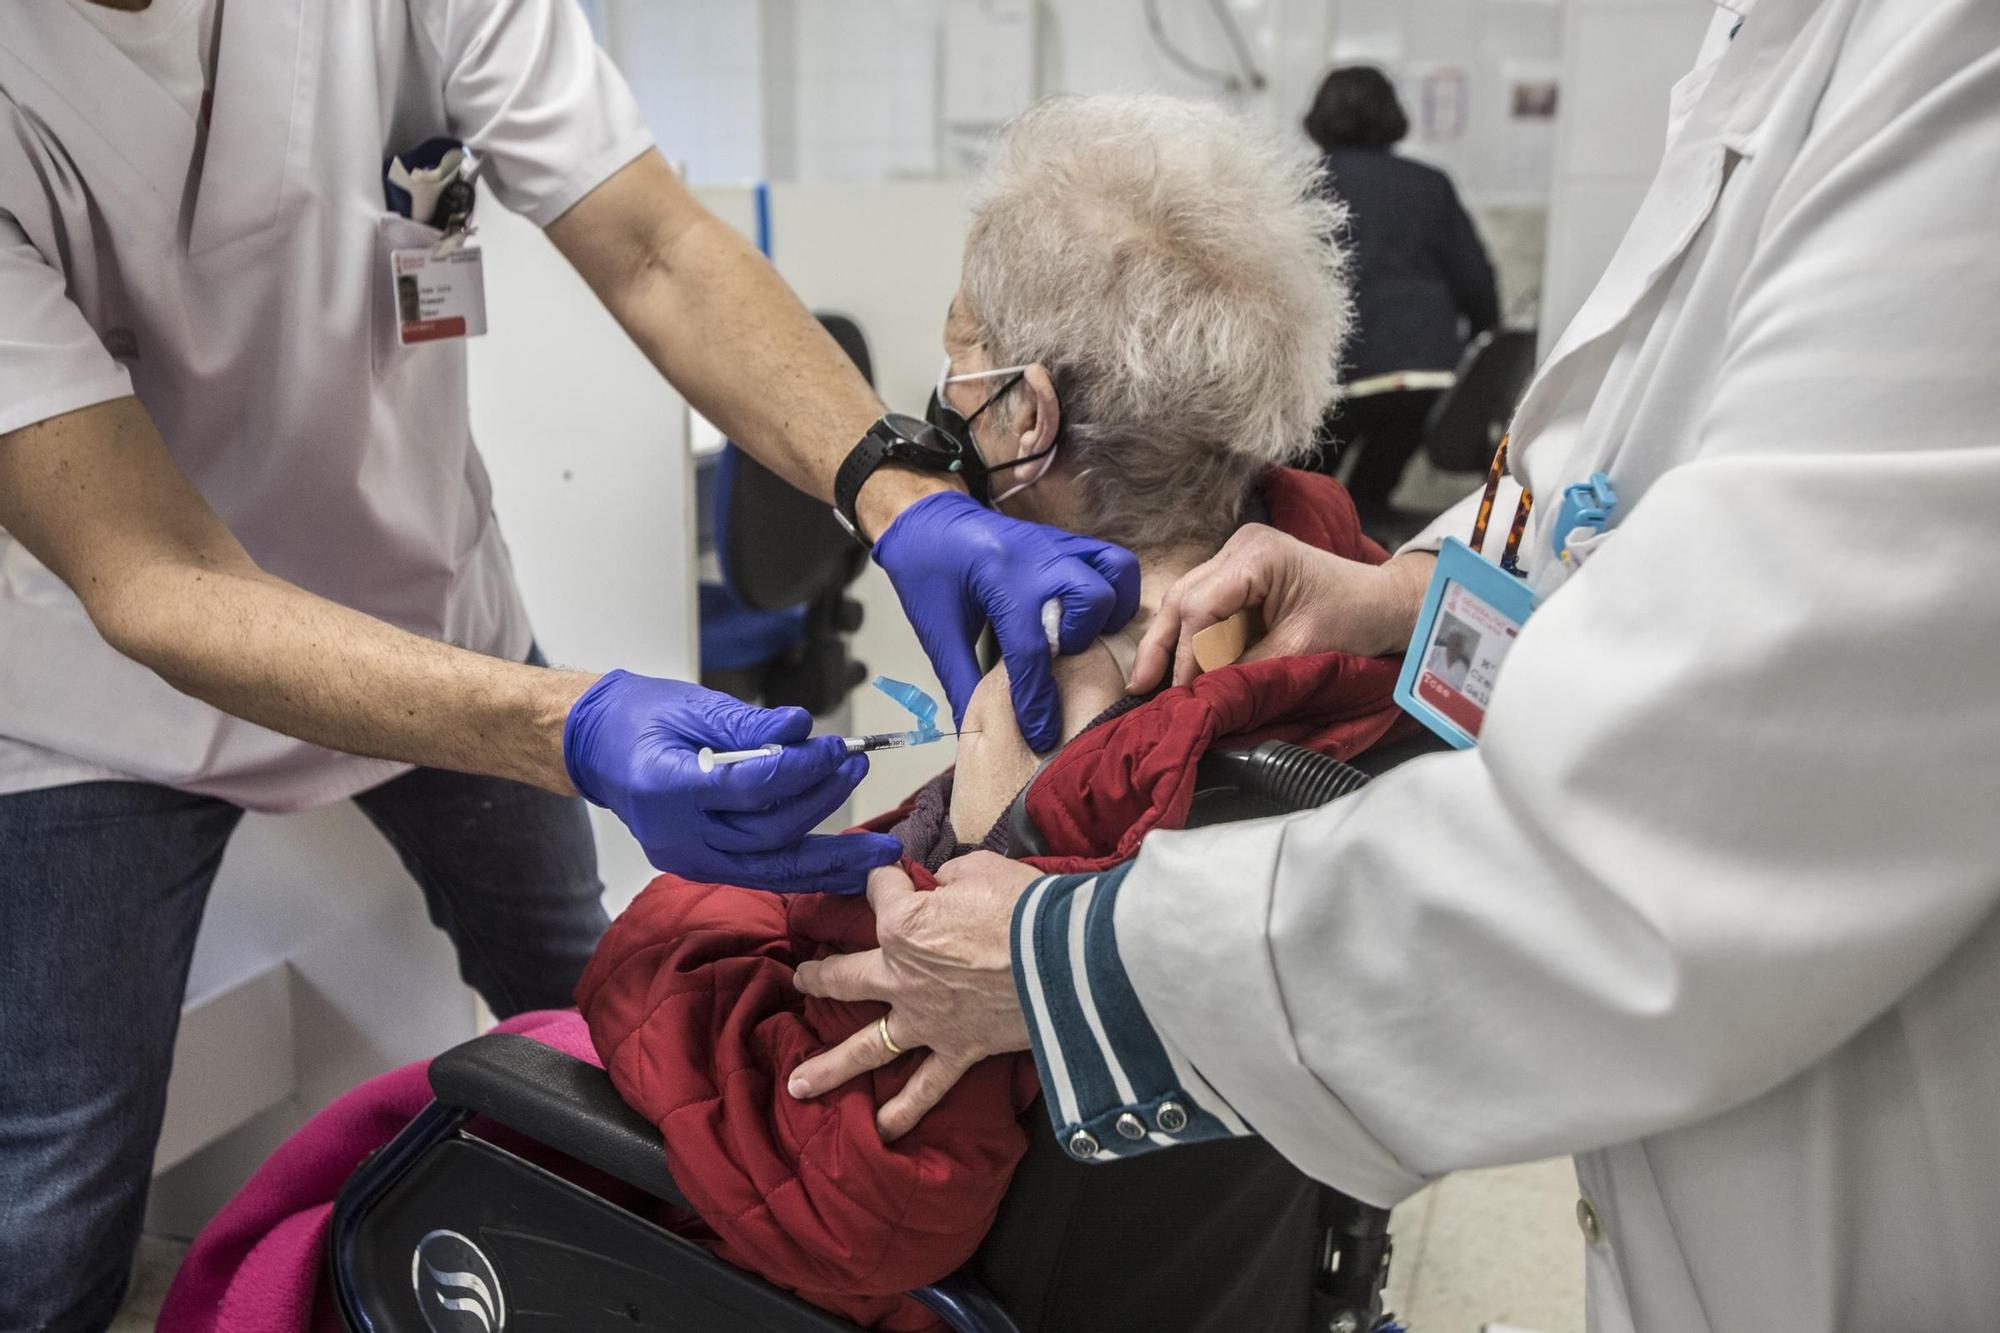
(1146, 331)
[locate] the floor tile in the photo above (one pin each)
(152, 1273)
(1499, 1247)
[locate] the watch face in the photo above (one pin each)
(914, 429)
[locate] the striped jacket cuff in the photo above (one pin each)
(1114, 1087)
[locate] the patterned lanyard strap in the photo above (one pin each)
(1509, 558)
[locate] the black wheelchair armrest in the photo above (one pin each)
(556, 1100)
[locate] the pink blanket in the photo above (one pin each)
(256, 1268)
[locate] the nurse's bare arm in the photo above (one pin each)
(723, 327)
(96, 497)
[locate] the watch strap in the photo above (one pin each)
(917, 445)
(855, 469)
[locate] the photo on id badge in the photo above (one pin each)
(438, 295)
(1471, 616)
(1468, 643)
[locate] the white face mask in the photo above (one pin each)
(949, 419)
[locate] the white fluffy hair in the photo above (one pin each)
(1176, 269)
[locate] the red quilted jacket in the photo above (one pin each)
(691, 1005)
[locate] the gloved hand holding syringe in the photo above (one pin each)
(921, 706)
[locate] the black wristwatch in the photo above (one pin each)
(910, 442)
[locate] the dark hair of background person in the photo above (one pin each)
(1356, 107)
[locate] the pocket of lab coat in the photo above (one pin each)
(393, 232)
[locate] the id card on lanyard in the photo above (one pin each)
(1474, 609)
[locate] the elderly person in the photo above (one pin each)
(1146, 329)
(1149, 318)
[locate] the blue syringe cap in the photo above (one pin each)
(920, 705)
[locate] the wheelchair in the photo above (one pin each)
(445, 1231)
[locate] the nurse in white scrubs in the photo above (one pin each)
(248, 557)
(1714, 904)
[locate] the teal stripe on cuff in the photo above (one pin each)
(1112, 1086)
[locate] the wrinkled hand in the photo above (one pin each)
(630, 744)
(945, 969)
(955, 563)
(1313, 601)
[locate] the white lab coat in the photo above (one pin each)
(249, 308)
(1713, 904)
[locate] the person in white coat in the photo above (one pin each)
(248, 557)
(1714, 904)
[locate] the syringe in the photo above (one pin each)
(709, 759)
(921, 706)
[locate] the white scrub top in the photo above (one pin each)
(249, 309)
(171, 40)
(1715, 903)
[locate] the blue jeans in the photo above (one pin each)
(102, 886)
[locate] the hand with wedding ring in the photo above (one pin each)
(944, 967)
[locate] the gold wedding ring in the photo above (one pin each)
(882, 1029)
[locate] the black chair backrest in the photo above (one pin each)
(1464, 428)
(779, 546)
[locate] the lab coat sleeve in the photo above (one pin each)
(51, 361)
(1734, 795)
(529, 91)
(1111, 1085)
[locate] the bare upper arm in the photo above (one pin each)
(618, 230)
(94, 495)
(994, 761)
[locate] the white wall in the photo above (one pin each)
(1620, 59)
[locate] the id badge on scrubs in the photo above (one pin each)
(440, 292)
(1470, 618)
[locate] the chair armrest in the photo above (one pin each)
(556, 1100)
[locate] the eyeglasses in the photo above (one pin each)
(959, 425)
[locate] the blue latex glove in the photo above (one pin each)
(956, 563)
(629, 744)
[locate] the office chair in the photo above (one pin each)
(1465, 425)
(775, 630)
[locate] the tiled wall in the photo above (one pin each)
(696, 68)
(854, 90)
(1455, 63)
